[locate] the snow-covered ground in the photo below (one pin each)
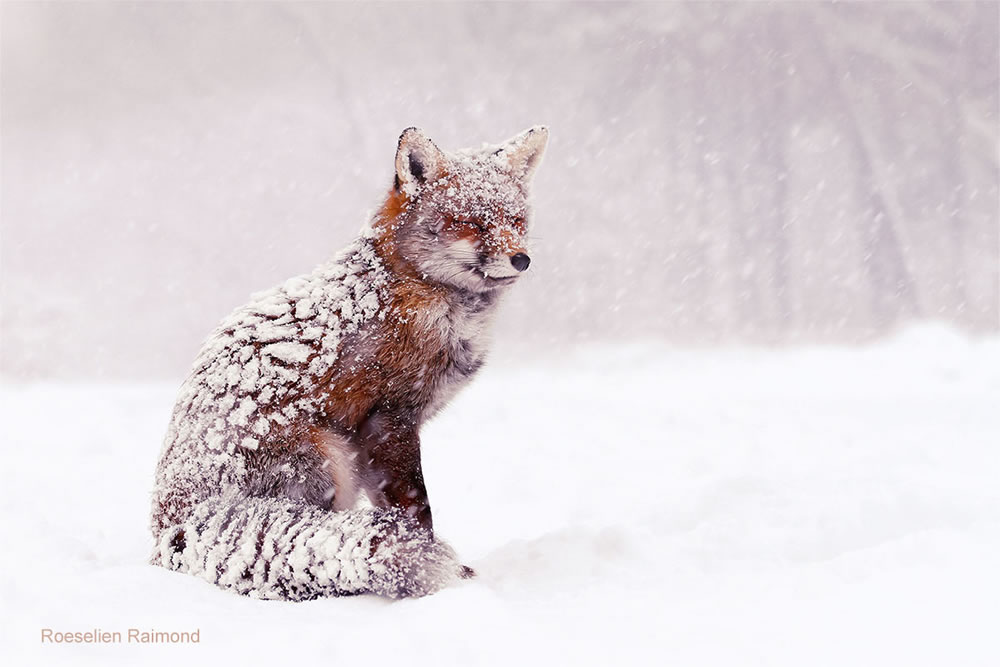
(622, 505)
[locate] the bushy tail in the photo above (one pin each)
(277, 548)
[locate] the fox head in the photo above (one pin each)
(460, 219)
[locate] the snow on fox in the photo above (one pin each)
(308, 401)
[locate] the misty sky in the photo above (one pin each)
(762, 173)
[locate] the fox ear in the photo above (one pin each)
(418, 161)
(524, 152)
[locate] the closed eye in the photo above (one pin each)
(472, 224)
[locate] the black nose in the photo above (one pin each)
(520, 261)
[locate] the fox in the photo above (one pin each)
(291, 467)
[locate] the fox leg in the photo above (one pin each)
(393, 477)
(341, 463)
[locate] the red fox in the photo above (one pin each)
(308, 401)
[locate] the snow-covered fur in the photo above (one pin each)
(307, 402)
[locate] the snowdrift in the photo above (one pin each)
(635, 504)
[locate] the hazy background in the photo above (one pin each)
(764, 173)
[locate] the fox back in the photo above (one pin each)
(291, 467)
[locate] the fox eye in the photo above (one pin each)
(471, 224)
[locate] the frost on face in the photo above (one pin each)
(481, 184)
(485, 188)
(485, 183)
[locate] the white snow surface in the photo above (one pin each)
(637, 504)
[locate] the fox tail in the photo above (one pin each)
(276, 548)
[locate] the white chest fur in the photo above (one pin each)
(464, 331)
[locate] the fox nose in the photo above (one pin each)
(520, 261)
